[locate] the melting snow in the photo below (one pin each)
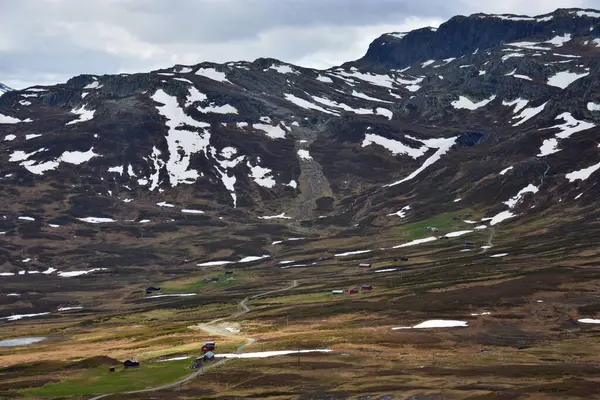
(188, 211)
(480, 227)
(416, 242)
(79, 273)
(571, 126)
(21, 316)
(32, 136)
(93, 85)
(5, 119)
(213, 74)
(262, 176)
(173, 359)
(352, 253)
(165, 204)
(519, 102)
(589, 321)
(457, 233)
(284, 69)
(582, 174)
(69, 308)
(366, 97)
(214, 263)
(504, 215)
(171, 295)
(379, 80)
(9, 137)
(96, 220)
(253, 258)
(325, 79)
(274, 132)
(287, 262)
(394, 146)
(505, 170)
(306, 104)
(465, 103)
(264, 354)
(304, 155)
(385, 112)
(427, 63)
(345, 107)
(181, 143)
(401, 213)
(386, 270)
(435, 323)
(27, 218)
(224, 109)
(590, 106)
(280, 216)
(84, 115)
(499, 255)
(565, 78)
(442, 144)
(528, 113)
(512, 202)
(118, 169)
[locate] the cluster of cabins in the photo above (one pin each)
(354, 290)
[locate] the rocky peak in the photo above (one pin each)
(464, 35)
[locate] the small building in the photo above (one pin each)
(353, 291)
(366, 288)
(209, 346)
(152, 289)
(337, 291)
(364, 265)
(131, 363)
(228, 272)
(403, 258)
(211, 280)
(469, 244)
(209, 356)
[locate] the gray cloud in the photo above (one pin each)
(46, 41)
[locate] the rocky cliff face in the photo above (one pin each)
(494, 113)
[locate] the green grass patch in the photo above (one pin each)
(416, 230)
(101, 381)
(195, 284)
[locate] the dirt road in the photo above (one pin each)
(213, 328)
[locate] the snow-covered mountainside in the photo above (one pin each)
(497, 112)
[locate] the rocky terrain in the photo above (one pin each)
(461, 161)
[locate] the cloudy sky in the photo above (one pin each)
(49, 41)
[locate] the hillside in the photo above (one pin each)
(484, 130)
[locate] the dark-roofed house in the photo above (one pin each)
(366, 288)
(131, 363)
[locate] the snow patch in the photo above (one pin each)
(213, 74)
(84, 115)
(401, 213)
(565, 78)
(304, 155)
(582, 174)
(505, 170)
(465, 103)
(96, 220)
(416, 242)
(352, 253)
(512, 202)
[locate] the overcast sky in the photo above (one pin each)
(49, 41)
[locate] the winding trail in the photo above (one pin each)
(209, 327)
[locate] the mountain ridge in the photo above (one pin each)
(273, 144)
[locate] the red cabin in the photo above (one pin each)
(208, 346)
(366, 288)
(353, 291)
(364, 265)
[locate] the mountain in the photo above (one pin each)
(4, 89)
(488, 115)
